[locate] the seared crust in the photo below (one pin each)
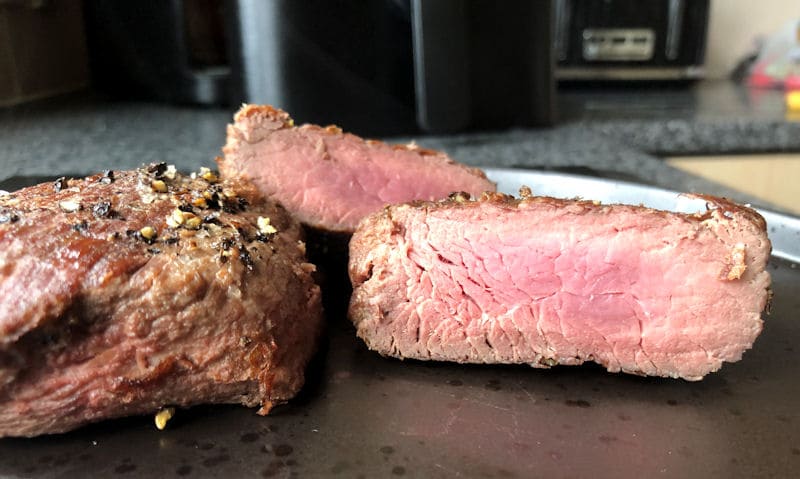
(148, 288)
(713, 203)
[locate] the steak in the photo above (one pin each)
(329, 179)
(546, 281)
(126, 292)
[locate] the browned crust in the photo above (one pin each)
(248, 111)
(726, 206)
(713, 204)
(98, 247)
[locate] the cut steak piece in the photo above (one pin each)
(126, 292)
(545, 281)
(329, 179)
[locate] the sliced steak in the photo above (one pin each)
(545, 281)
(123, 293)
(329, 179)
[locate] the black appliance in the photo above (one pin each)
(630, 39)
(377, 67)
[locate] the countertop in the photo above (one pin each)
(618, 133)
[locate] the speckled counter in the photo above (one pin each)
(610, 133)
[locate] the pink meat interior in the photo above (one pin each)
(332, 180)
(634, 289)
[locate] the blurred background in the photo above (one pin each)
(651, 74)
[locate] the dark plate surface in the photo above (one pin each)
(361, 415)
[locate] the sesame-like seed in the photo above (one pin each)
(69, 206)
(188, 220)
(170, 172)
(175, 218)
(163, 416)
(208, 175)
(148, 233)
(194, 222)
(158, 186)
(265, 227)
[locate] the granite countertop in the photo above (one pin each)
(619, 133)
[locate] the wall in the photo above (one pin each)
(734, 25)
(42, 49)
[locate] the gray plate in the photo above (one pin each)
(365, 416)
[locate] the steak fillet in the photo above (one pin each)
(546, 281)
(329, 179)
(126, 292)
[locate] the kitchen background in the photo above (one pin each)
(173, 60)
(735, 29)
